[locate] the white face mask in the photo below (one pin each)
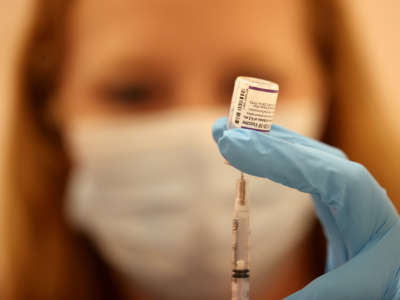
(156, 197)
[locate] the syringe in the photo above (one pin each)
(240, 243)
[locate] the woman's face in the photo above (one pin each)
(139, 57)
(142, 56)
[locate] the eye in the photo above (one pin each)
(129, 94)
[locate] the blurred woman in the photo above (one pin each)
(103, 84)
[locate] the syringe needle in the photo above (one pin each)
(242, 190)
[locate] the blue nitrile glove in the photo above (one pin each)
(359, 221)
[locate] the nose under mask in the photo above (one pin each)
(156, 198)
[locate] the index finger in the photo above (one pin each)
(282, 133)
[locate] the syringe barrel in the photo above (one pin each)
(241, 226)
(240, 289)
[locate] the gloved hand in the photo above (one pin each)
(359, 221)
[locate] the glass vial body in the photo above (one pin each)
(253, 104)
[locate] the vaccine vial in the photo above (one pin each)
(253, 104)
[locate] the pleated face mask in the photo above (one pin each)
(155, 196)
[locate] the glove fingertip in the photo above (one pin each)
(218, 128)
(237, 147)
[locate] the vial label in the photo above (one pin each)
(253, 104)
